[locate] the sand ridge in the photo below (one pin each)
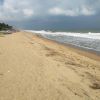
(32, 68)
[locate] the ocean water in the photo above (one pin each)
(88, 41)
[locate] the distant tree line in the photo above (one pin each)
(4, 26)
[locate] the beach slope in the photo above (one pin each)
(33, 68)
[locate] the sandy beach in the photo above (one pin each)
(33, 68)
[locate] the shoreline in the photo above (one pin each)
(88, 53)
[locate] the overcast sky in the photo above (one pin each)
(26, 10)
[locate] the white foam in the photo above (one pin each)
(83, 35)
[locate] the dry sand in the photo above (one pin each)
(33, 68)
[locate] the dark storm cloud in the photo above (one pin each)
(26, 9)
(55, 14)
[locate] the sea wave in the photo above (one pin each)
(88, 41)
(84, 35)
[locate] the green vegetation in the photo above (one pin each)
(4, 26)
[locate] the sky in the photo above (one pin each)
(41, 14)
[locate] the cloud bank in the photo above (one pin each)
(27, 9)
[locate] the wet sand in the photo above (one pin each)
(33, 68)
(83, 51)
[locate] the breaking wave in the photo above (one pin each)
(89, 41)
(84, 35)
